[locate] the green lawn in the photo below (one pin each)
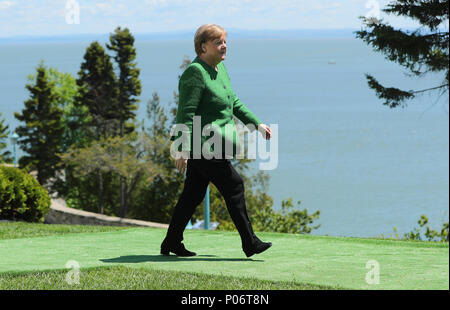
(129, 278)
(35, 256)
(15, 230)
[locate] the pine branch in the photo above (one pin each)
(428, 89)
(409, 50)
(420, 53)
(394, 96)
(431, 13)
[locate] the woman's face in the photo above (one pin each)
(216, 49)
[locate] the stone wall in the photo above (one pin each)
(61, 214)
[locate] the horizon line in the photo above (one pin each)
(190, 31)
(176, 32)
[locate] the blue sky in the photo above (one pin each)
(48, 17)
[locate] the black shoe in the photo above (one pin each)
(258, 247)
(178, 250)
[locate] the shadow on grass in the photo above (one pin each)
(171, 258)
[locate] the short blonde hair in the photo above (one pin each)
(207, 33)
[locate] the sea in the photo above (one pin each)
(367, 168)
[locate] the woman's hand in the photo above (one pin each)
(265, 131)
(181, 161)
(181, 164)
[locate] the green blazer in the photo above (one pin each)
(207, 93)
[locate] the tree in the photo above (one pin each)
(419, 52)
(98, 91)
(126, 156)
(43, 130)
(5, 156)
(73, 120)
(155, 200)
(129, 86)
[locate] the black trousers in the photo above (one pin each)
(229, 183)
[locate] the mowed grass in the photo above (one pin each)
(16, 230)
(128, 278)
(120, 277)
(35, 256)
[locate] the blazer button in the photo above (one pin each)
(228, 97)
(224, 87)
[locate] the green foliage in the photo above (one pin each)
(415, 50)
(65, 87)
(5, 156)
(42, 132)
(430, 234)
(129, 85)
(83, 192)
(127, 157)
(287, 220)
(93, 118)
(74, 120)
(392, 95)
(155, 199)
(21, 196)
(262, 214)
(97, 93)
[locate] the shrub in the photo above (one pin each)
(288, 220)
(417, 234)
(430, 234)
(21, 196)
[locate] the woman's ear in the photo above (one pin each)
(203, 48)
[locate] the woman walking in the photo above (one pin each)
(205, 92)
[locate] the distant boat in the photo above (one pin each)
(331, 62)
